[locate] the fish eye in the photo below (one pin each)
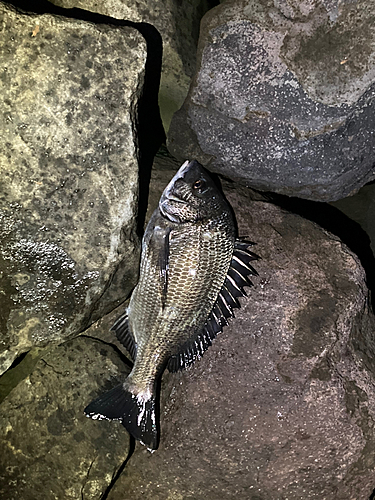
(199, 184)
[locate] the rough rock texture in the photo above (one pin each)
(282, 405)
(283, 99)
(69, 175)
(178, 24)
(48, 448)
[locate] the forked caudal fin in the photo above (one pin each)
(136, 413)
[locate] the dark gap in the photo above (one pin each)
(17, 361)
(122, 356)
(148, 122)
(337, 223)
(13, 376)
(105, 494)
(372, 496)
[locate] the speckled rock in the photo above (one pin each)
(69, 172)
(282, 405)
(48, 448)
(283, 98)
(178, 24)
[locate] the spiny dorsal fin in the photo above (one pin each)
(124, 335)
(227, 300)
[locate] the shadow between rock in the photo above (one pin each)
(104, 496)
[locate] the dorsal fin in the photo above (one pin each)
(124, 335)
(227, 300)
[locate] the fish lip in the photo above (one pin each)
(169, 196)
(168, 214)
(178, 175)
(172, 197)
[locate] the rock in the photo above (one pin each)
(48, 448)
(69, 170)
(283, 98)
(178, 24)
(282, 405)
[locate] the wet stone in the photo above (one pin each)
(47, 445)
(282, 404)
(69, 170)
(283, 97)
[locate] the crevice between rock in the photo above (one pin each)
(120, 470)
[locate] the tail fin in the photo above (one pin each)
(136, 412)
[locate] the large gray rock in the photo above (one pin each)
(69, 175)
(178, 24)
(283, 97)
(282, 405)
(48, 448)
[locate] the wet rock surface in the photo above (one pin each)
(282, 405)
(283, 97)
(48, 448)
(69, 170)
(178, 24)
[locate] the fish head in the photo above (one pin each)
(192, 195)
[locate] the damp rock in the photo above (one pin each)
(47, 444)
(178, 24)
(69, 170)
(283, 97)
(282, 404)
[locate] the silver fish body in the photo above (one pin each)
(184, 296)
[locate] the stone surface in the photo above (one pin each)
(282, 405)
(283, 98)
(48, 448)
(178, 24)
(69, 175)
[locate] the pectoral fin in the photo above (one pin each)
(124, 335)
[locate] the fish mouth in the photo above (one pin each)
(166, 210)
(172, 197)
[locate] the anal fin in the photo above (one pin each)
(124, 335)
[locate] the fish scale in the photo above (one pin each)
(192, 272)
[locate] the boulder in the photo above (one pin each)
(281, 406)
(48, 448)
(178, 24)
(69, 172)
(283, 97)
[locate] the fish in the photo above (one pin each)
(192, 272)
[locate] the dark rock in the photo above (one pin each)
(283, 97)
(69, 170)
(48, 448)
(282, 405)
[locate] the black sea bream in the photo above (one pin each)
(193, 269)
